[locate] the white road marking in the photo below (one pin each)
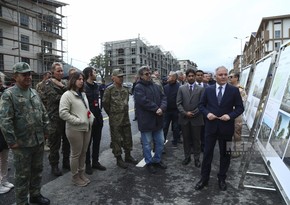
(142, 162)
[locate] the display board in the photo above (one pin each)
(274, 131)
(245, 75)
(257, 86)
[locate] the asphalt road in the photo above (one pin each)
(173, 186)
(9, 198)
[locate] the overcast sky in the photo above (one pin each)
(200, 31)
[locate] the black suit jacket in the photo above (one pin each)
(231, 104)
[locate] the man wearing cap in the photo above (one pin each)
(115, 102)
(25, 126)
(50, 94)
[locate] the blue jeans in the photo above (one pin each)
(158, 139)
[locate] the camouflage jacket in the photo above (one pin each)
(115, 103)
(50, 95)
(23, 121)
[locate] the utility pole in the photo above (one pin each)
(241, 55)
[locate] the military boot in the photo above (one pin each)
(55, 170)
(130, 159)
(121, 163)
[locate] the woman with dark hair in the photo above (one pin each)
(74, 109)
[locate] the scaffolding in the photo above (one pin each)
(31, 31)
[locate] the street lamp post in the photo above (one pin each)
(241, 55)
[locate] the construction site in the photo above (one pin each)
(31, 31)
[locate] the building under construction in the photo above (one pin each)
(130, 54)
(31, 31)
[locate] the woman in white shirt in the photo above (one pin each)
(74, 109)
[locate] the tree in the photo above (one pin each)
(101, 63)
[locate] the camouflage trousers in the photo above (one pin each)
(28, 163)
(121, 137)
(237, 134)
(56, 139)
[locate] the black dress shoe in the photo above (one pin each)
(151, 169)
(201, 184)
(98, 166)
(222, 185)
(160, 165)
(197, 163)
(186, 161)
(39, 200)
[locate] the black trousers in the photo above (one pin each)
(191, 139)
(96, 136)
(225, 156)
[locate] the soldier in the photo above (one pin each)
(234, 79)
(25, 125)
(51, 94)
(39, 87)
(45, 76)
(115, 103)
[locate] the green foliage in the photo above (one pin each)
(101, 63)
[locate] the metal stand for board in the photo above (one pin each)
(244, 168)
(244, 171)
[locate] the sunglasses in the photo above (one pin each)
(231, 76)
(147, 74)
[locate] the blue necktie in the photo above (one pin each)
(190, 89)
(220, 95)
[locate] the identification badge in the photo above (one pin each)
(96, 103)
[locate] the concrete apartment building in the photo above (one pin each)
(186, 64)
(31, 31)
(130, 54)
(272, 32)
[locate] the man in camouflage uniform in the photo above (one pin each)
(51, 94)
(45, 77)
(115, 102)
(25, 125)
(234, 79)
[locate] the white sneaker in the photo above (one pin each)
(8, 185)
(4, 189)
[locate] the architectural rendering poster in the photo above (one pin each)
(256, 89)
(244, 76)
(273, 135)
(277, 109)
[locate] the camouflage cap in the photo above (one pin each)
(118, 72)
(21, 67)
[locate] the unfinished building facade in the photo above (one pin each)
(31, 31)
(130, 54)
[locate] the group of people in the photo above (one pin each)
(199, 108)
(68, 114)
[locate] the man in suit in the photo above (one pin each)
(199, 81)
(190, 118)
(221, 103)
